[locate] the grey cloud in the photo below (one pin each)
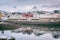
(28, 2)
(43, 3)
(51, 6)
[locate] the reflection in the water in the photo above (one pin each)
(32, 36)
(37, 31)
(29, 31)
(56, 35)
(34, 32)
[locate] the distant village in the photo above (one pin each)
(32, 15)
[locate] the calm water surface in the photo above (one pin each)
(21, 36)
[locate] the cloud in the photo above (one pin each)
(52, 6)
(27, 4)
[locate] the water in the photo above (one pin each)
(21, 36)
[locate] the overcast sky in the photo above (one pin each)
(24, 5)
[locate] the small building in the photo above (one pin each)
(1, 15)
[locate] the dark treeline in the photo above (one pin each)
(6, 27)
(10, 27)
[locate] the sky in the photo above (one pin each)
(26, 5)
